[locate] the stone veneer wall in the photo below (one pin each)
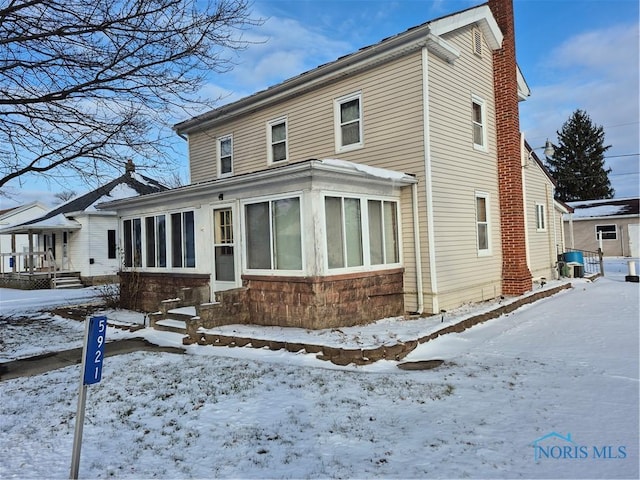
(304, 302)
(325, 302)
(144, 291)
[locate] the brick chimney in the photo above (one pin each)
(516, 277)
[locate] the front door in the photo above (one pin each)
(224, 260)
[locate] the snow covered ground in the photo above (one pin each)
(549, 391)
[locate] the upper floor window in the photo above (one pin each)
(482, 224)
(479, 123)
(225, 156)
(608, 232)
(277, 141)
(541, 220)
(348, 122)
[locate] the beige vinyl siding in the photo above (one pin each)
(541, 243)
(393, 135)
(392, 106)
(459, 171)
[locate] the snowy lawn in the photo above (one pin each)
(566, 365)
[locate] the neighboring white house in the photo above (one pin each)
(76, 239)
(10, 243)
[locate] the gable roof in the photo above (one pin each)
(130, 184)
(609, 208)
(428, 34)
(12, 211)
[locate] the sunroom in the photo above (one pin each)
(314, 244)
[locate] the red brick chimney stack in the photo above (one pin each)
(516, 278)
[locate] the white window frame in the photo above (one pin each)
(475, 100)
(365, 233)
(541, 217)
(270, 125)
(244, 245)
(337, 103)
(483, 252)
(219, 141)
(615, 232)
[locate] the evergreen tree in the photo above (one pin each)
(578, 161)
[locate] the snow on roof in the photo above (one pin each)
(605, 208)
(368, 170)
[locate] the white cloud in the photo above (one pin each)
(597, 72)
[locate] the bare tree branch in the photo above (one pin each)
(85, 84)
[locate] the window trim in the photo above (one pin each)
(484, 252)
(219, 141)
(476, 100)
(337, 103)
(541, 217)
(270, 125)
(614, 232)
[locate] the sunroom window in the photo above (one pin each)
(361, 232)
(274, 235)
(183, 248)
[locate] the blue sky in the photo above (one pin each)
(573, 53)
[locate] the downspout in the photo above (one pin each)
(524, 161)
(553, 250)
(418, 254)
(431, 240)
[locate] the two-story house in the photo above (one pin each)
(387, 181)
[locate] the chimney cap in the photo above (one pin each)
(129, 166)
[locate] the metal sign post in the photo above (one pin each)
(93, 355)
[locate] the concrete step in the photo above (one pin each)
(67, 282)
(171, 325)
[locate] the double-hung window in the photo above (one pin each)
(225, 156)
(482, 224)
(277, 141)
(348, 122)
(479, 123)
(274, 234)
(541, 219)
(183, 246)
(361, 232)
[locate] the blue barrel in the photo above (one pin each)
(574, 257)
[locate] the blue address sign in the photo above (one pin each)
(96, 340)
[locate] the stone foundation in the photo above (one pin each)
(307, 302)
(325, 302)
(144, 291)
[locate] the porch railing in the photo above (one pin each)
(593, 262)
(25, 263)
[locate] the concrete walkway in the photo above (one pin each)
(46, 362)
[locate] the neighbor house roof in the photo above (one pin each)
(428, 34)
(130, 184)
(610, 208)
